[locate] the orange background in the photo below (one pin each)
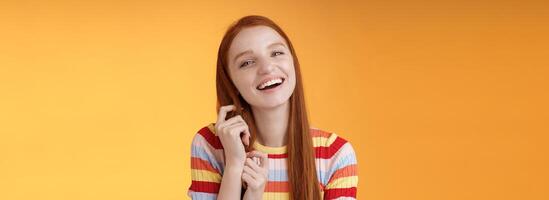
(440, 99)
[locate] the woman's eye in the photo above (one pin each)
(276, 53)
(245, 63)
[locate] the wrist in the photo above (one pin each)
(253, 194)
(233, 169)
(234, 164)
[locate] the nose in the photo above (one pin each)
(266, 66)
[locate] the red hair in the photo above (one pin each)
(302, 177)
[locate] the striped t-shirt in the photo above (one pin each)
(336, 166)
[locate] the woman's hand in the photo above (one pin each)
(255, 176)
(233, 133)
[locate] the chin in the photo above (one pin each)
(272, 103)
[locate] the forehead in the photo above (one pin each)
(255, 37)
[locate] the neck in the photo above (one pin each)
(272, 124)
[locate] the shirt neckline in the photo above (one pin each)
(270, 150)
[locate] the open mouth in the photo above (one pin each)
(270, 84)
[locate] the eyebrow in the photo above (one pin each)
(250, 51)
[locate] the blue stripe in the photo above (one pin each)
(349, 159)
(202, 196)
(278, 175)
(199, 152)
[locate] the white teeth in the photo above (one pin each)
(271, 82)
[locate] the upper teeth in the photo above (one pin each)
(271, 82)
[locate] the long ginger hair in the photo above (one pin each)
(303, 182)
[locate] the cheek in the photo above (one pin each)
(290, 70)
(243, 83)
(292, 75)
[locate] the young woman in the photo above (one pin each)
(261, 146)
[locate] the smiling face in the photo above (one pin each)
(261, 67)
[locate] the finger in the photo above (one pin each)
(264, 158)
(223, 113)
(252, 164)
(237, 129)
(234, 120)
(247, 178)
(246, 137)
(246, 133)
(244, 183)
(250, 171)
(242, 131)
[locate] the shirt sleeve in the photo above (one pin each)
(343, 179)
(206, 171)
